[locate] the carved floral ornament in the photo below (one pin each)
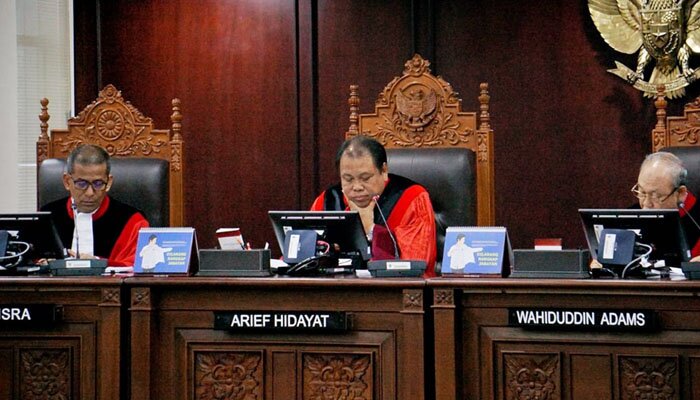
(532, 376)
(683, 130)
(228, 375)
(416, 66)
(118, 126)
(45, 374)
(337, 376)
(649, 378)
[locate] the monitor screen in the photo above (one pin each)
(659, 228)
(36, 229)
(341, 229)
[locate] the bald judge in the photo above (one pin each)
(661, 184)
(365, 182)
(90, 223)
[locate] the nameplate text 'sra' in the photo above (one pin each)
(22, 315)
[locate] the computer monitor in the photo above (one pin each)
(342, 230)
(659, 228)
(37, 230)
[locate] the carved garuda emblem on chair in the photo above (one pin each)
(663, 30)
(417, 108)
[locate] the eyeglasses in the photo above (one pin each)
(97, 185)
(653, 197)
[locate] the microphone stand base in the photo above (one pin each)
(78, 267)
(396, 268)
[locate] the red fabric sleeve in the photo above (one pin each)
(124, 250)
(318, 203)
(415, 232)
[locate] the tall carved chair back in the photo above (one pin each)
(679, 135)
(418, 118)
(147, 162)
(420, 110)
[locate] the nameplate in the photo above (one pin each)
(584, 319)
(35, 315)
(286, 321)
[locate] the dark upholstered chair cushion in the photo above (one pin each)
(690, 156)
(138, 182)
(449, 175)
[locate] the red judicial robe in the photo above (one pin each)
(409, 214)
(115, 228)
(691, 230)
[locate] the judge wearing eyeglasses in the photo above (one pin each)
(661, 184)
(90, 223)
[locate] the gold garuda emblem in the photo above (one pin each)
(663, 30)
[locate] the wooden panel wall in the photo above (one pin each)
(264, 90)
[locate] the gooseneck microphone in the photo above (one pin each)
(75, 223)
(397, 266)
(391, 235)
(681, 205)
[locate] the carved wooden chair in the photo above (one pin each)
(429, 139)
(147, 163)
(679, 135)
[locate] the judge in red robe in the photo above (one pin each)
(365, 182)
(90, 223)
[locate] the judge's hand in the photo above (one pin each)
(366, 214)
(695, 259)
(83, 256)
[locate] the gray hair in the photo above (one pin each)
(88, 154)
(674, 165)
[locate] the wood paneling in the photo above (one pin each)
(233, 66)
(264, 88)
(85, 57)
(366, 46)
(499, 361)
(176, 352)
(78, 357)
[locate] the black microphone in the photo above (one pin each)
(386, 224)
(682, 207)
(75, 223)
(395, 267)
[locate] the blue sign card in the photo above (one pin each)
(471, 250)
(165, 250)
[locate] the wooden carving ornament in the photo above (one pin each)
(418, 109)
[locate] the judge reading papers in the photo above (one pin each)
(661, 184)
(365, 186)
(666, 226)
